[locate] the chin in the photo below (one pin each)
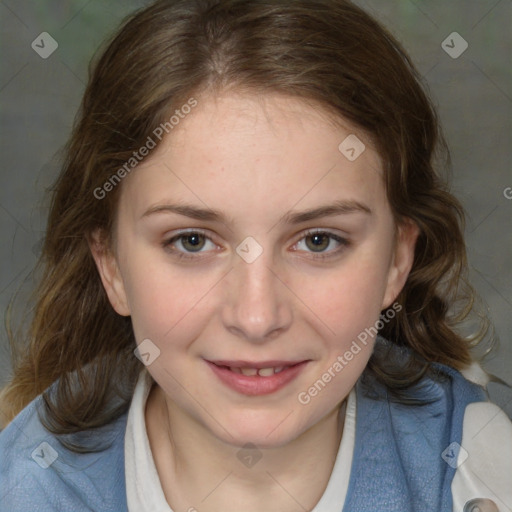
(262, 429)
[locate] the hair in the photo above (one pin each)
(328, 52)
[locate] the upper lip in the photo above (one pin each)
(274, 363)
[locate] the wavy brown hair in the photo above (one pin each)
(328, 52)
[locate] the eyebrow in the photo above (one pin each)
(208, 214)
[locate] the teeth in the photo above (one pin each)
(262, 372)
(249, 371)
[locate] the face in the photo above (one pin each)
(247, 305)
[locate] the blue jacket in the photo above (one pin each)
(397, 464)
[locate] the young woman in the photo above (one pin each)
(253, 282)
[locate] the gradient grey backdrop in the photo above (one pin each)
(39, 98)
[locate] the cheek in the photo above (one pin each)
(166, 301)
(352, 297)
(350, 307)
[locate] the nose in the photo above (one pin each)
(258, 304)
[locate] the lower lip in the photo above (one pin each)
(255, 385)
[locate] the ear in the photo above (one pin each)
(403, 259)
(110, 274)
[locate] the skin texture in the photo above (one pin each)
(255, 159)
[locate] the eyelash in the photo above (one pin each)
(315, 256)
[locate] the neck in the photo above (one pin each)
(200, 472)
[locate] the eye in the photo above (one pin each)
(190, 244)
(318, 242)
(186, 243)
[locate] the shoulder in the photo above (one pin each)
(441, 431)
(39, 473)
(484, 464)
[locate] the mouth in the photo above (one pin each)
(257, 378)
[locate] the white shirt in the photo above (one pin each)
(482, 472)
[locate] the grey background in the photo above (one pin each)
(39, 98)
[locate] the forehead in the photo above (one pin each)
(257, 155)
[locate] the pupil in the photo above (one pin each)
(193, 241)
(319, 241)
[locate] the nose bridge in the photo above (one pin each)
(257, 307)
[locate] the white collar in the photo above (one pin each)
(144, 491)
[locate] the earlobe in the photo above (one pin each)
(109, 272)
(403, 259)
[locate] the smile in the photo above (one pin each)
(256, 378)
